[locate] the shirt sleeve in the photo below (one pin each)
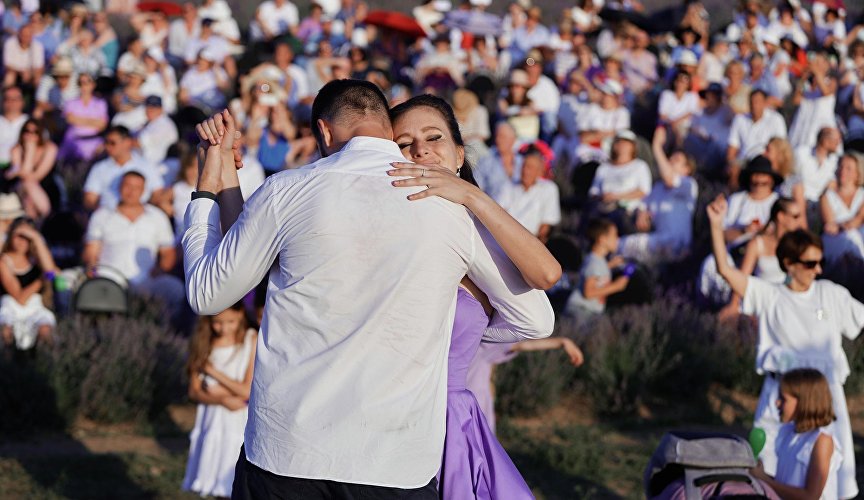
(93, 183)
(220, 271)
(520, 312)
(758, 297)
(851, 312)
(734, 131)
(95, 228)
(164, 234)
(664, 105)
(645, 181)
(38, 55)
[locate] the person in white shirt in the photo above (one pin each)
(182, 30)
(750, 209)
(816, 166)
(135, 240)
(601, 121)
(102, 186)
(11, 122)
(534, 201)
(678, 105)
(543, 92)
(158, 134)
(23, 58)
(216, 45)
(802, 323)
(318, 417)
(620, 185)
(220, 11)
(274, 18)
(751, 132)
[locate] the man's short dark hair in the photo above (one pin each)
(119, 130)
(758, 91)
(347, 99)
(133, 173)
(597, 228)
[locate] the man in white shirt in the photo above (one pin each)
(349, 393)
(751, 132)
(535, 201)
(23, 58)
(707, 140)
(102, 186)
(817, 166)
(136, 240)
(158, 134)
(502, 166)
(11, 122)
(544, 94)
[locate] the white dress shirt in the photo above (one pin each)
(751, 137)
(156, 138)
(350, 372)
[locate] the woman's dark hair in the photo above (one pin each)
(446, 112)
(20, 221)
(793, 244)
(40, 131)
(782, 204)
(678, 74)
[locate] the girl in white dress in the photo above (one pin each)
(843, 211)
(221, 358)
(801, 325)
(808, 452)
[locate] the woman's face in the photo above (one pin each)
(623, 151)
(20, 243)
(680, 164)
(682, 82)
(786, 404)
(517, 92)
(847, 174)
(791, 219)
(423, 137)
(806, 268)
(86, 84)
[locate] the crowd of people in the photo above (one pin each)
(598, 130)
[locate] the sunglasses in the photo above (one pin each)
(811, 264)
(31, 131)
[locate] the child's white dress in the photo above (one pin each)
(793, 458)
(216, 439)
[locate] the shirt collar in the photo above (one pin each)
(374, 143)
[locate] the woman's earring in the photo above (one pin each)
(458, 170)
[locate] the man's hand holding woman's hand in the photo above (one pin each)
(218, 148)
(439, 181)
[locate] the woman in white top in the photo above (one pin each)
(750, 209)
(625, 180)
(843, 211)
(678, 105)
(801, 325)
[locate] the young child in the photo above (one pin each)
(808, 454)
(595, 276)
(220, 364)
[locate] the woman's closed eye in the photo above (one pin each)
(403, 145)
(433, 138)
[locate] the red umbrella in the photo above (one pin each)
(395, 21)
(167, 8)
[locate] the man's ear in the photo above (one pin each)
(326, 133)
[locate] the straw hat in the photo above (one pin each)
(10, 206)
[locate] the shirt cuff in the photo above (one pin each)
(203, 211)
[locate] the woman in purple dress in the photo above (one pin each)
(474, 464)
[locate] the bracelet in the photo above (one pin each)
(204, 194)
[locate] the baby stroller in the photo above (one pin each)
(703, 465)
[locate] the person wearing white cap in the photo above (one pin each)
(55, 89)
(620, 185)
(602, 121)
(777, 61)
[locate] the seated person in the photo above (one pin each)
(750, 208)
(620, 185)
(595, 278)
(534, 202)
(136, 240)
(24, 319)
(101, 188)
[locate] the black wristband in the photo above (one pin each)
(204, 194)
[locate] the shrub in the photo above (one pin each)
(109, 369)
(531, 382)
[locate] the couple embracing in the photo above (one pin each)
(353, 395)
